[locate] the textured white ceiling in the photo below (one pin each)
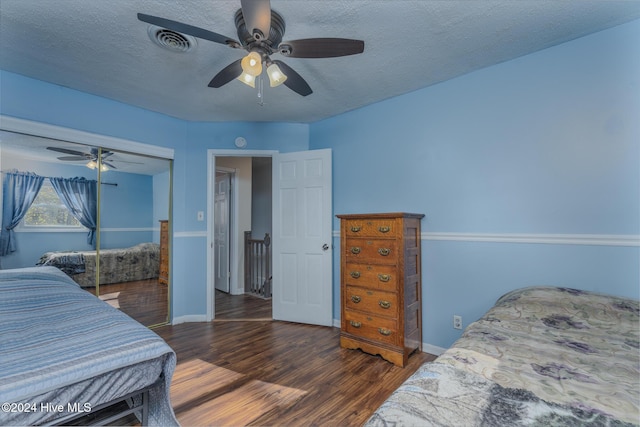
(100, 47)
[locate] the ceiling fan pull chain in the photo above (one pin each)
(260, 91)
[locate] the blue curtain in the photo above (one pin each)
(19, 191)
(79, 195)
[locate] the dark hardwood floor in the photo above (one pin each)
(241, 307)
(144, 300)
(271, 373)
(244, 369)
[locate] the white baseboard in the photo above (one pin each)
(191, 318)
(432, 349)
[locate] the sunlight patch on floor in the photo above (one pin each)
(111, 299)
(242, 405)
(206, 394)
(195, 378)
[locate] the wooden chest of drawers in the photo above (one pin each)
(164, 252)
(381, 284)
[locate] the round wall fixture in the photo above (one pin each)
(241, 142)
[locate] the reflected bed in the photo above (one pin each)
(139, 262)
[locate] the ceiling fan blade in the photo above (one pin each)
(106, 154)
(257, 15)
(227, 74)
(72, 158)
(67, 151)
(321, 48)
(188, 29)
(109, 164)
(294, 81)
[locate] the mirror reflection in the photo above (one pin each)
(99, 215)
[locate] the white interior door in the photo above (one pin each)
(302, 249)
(221, 230)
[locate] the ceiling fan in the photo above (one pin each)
(260, 30)
(91, 157)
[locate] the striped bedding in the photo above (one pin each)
(62, 350)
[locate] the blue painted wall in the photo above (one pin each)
(548, 143)
(35, 100)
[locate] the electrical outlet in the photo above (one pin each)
(457, 322)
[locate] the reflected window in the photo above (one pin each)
(48, 211)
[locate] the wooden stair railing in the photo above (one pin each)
(257, 265)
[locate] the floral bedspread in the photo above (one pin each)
(139, 262)
(540, 356)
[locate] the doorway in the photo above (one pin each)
(301, 238)
(241, 203)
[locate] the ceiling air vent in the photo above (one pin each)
(171, 40)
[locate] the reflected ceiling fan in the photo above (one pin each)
(91, 158)
(260, 31)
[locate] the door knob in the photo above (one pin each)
(325, 247)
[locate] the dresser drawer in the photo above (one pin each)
(371, 228)
(371, 250)
(371, 327)
(379, 303)
(383, 277)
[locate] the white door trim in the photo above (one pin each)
(211, 174)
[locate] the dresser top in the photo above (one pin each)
(381, 215)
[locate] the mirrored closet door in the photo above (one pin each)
(116, 243)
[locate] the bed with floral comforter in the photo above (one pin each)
(139, 262)
(540, 356)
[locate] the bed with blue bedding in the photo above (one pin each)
(542, 356)
(64, 352)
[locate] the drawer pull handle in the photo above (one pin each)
(356, 298)
(355, 229)
(384, 304)
(384, 251)
(355, 274)
(384, 229)
(384, 277)
(355, 324)
(355, 250)
(385, 332)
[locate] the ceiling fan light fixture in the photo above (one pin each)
(252, 64)
(92, 164)
(247, 79)
(276, 76)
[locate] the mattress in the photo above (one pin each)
(62, 350)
